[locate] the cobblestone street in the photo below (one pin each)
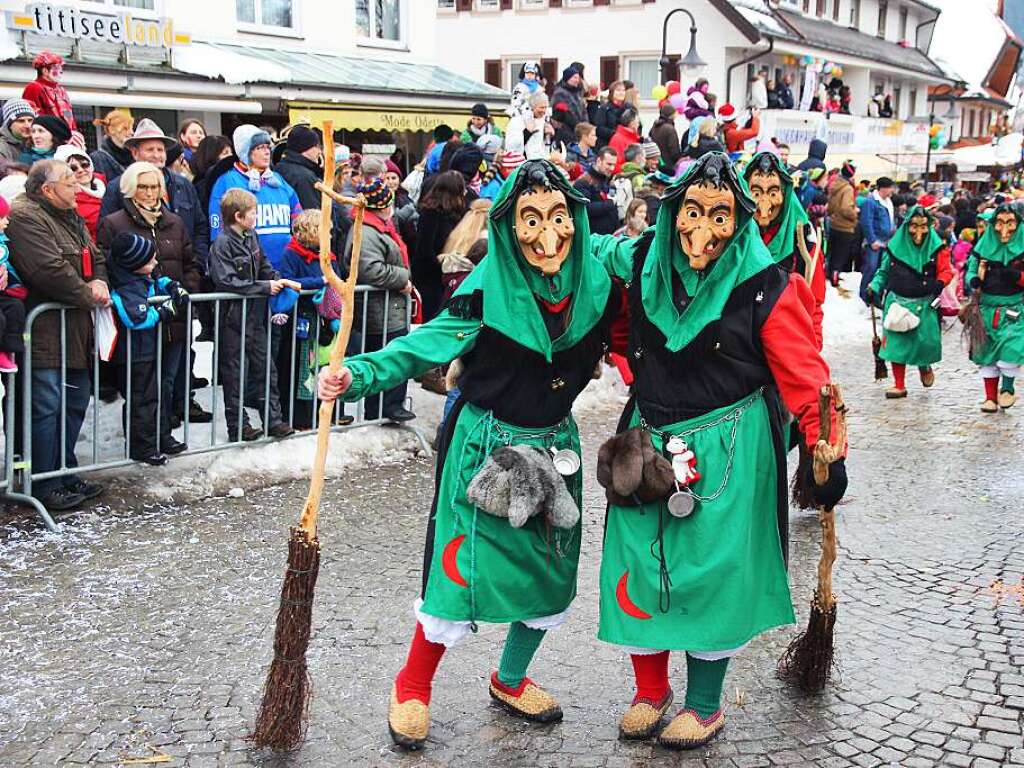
(146, 630)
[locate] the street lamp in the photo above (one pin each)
(949, 116)
(692, 60)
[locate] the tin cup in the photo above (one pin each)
(567, 462)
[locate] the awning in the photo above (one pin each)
(147, 101)
(381, 118)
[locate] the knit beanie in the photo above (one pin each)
(56, 126)
(5, 208)
(466, 160)
(15, 108)
(131, 251)
(377, 193)
(480, 110)
(443, 132)
(246, 138)
(489, 144)
(849, 170)
(651, 150)
(569, 72)
(510, 161)
(301, 138)
(667, 112)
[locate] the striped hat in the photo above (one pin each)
(377, 193)
(131, 251)
(510, 161)
(15, 108)
(651, 149)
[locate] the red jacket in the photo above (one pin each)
(88, 204)
(50, 98)
(735, 136)
(623, 137)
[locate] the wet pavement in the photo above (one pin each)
(145, 630)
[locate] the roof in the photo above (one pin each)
(992, 55)
(832, 37)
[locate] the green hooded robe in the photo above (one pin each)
(1002, 314)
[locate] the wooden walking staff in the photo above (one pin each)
(881, 369)
(809, 658)
(282, 718)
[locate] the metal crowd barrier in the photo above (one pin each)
(19, 476)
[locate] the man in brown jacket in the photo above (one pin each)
(58, 261)
(843, 240)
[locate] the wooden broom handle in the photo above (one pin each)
(346, 289)
(826, 452)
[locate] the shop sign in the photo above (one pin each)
(76, 24)
(378, 119)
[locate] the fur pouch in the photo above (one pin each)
(518, 482)
(629, 469)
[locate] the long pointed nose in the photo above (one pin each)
(764, 206)
(699, 239)
(549, 241)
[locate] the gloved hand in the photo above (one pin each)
(832, 492)
(937, 287)
(975, 282)
(870, 293)
(166, 311)
(1012, 274)
(177, 293)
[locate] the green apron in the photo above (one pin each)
(1005, 333)
(920, 347)
(481, 568)
(713, 580)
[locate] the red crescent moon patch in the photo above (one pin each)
(449, 562)
(628, 606)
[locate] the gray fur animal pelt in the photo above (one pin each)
(518, 482)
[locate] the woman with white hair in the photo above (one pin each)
(530, 132)
(146, 213)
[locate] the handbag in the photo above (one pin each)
(899, 319)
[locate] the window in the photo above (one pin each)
(819, 8)
(645, 75)
(379, 20)
(903, 23)
(513, 68)
(807, 6)
(532, 5)
(835, 10)
(265, 13)
(488, 5)
(883, 13)
(446, 5)
(897, 103)
(855, 14)
(912, 106)
(140, 5)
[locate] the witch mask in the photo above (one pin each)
(918, 229)
(706, 221)
(544, 228)
(766, 189)
(1005, 225)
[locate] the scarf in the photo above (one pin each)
(308, 255)
(744, 256)
(149, 215)
(257, 179)
(387, 227)
(901, 246)
(512, 287)
(792, 215)
(989, 248)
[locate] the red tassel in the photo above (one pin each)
(86, 263)
(996, 316)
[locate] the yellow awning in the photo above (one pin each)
(381, 118)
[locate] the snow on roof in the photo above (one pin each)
(209, 61)
(968, 37)
(755, 12)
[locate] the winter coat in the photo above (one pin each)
(29, 156)
(276, 206)
(736, 136)
(50, 98)
(431, 235)
(56, 259)
(518, 138)
(875, 222)
(470, 134)
(601, 210)
(406, 216)
(204, 185)
(110, 159)
(302, 174)
(237, 265)
(88, 202)
(815, 156)
(608, 115)
(624, 136)
(705, 144)
(182, 200)
(11, 146)
(174, 251)
(130, 294)
(664, 134)
(784, 94)
(302, 265)
(568, 108)
(381, 265)
(842, 206)
(759, 94)
(576, 154)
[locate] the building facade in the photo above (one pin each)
(366, 64)
(880, 45)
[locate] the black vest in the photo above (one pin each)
(906, 281)
(998, 282)
(722, 365)
(518, 384)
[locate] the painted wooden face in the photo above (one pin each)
(766, 189)
(1006, 226)
(918, 229)
(706, 221)
(544, 229)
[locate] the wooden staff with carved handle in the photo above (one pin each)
(808, 659)
(283, 714)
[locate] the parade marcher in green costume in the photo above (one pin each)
(717, 335)
(529, 325)
(995, 270)
(915, 269)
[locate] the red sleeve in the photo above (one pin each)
(32, 94)
(619, 337)
(818, 292)
(943, 266)
(796, 365)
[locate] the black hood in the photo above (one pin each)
(817, 149)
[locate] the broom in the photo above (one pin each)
(283, 714)
(881, 369)
(970, 315)
(809, 658)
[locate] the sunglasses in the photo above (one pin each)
(81, 165)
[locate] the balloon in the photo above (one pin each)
(659, 92)
(837, 71)
(677, 100)
(673, 87)
(808, 60)
(934, 131)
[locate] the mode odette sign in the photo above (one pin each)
(125, 29)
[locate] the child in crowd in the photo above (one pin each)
(237, 264)
(581, 154)
(12, 294)
(133, 281)
(529, 83)
(961, 251)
